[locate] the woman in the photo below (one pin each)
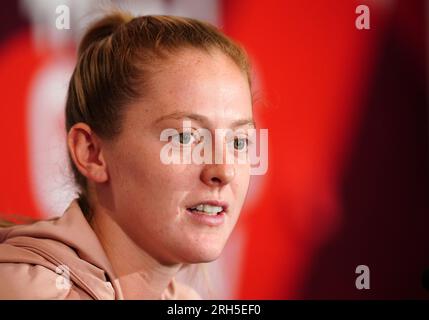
(138, 220)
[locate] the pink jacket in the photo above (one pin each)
(61, 259)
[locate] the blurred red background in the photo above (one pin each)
(347, 116)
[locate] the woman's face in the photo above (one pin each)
(151, 200)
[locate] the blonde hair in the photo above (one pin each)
(115, 59)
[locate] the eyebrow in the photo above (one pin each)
(201, 118)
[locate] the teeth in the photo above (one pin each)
(209, 209)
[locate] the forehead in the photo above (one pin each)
(208, 83)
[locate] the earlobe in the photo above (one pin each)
(86, 152)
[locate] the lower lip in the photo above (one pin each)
(211, 220)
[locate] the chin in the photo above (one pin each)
(202, 254)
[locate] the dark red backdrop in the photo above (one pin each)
(347, 116)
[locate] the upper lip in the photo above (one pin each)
(216, 203)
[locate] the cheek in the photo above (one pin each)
(140, 165)
(241, 182)
(134, 164)
(140, 179)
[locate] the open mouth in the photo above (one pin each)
(207, 209)
(210, 212)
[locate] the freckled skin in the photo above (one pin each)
(150, 197)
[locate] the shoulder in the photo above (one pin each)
(27, 281)
(185, 292)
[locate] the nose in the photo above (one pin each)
(217, 175)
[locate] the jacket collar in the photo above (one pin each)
(70, 241)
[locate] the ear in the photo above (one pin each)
(86, 152)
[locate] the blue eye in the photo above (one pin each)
(186, 138)
(240, 143)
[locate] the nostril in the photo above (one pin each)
(215, 180)
(217, 175)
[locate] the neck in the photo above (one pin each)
(140, 275)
